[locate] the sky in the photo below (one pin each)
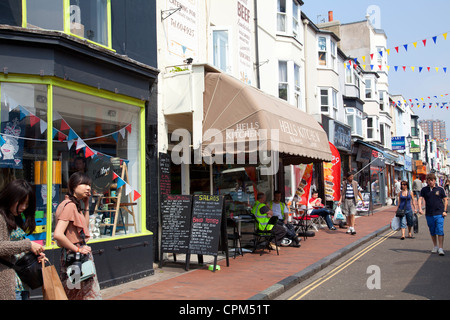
(405, 22)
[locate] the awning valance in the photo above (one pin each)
(235, 113)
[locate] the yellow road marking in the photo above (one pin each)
(306, 290)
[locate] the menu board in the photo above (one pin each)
(206, 224)
(165, 186)
(176, 223)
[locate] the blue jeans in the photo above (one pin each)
(324, 213)
(407, 220)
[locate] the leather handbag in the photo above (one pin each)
(28, 269)
(400, 213)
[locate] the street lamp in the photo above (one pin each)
(409, 139)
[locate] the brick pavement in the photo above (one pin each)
(253, 276)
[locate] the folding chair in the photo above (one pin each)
(266, 236)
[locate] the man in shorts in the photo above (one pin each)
(349, 190)
(436, 211)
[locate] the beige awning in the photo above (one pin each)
(234, 111)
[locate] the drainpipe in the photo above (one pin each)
(258, 79)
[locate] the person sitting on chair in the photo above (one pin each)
(313, 205)
(280, 210)
(263, 214)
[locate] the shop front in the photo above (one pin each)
(250, 142)
(68, 107)
(372, 176)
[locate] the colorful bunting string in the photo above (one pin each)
(71, 139)
(400, 48)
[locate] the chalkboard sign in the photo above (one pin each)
(176, 223)
(165, 186)
(206, 224)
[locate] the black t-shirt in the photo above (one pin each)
(434, 200)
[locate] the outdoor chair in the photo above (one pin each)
(266, 236)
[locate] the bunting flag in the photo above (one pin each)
(405, 47)
(365, 67)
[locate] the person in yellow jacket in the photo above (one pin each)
(263, 213)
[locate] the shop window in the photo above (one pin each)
(101, 138)
(11, 12)
(23, 147)
(45, 14)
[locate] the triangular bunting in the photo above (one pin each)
(136, 195)
(424, 42)
(72, 135)
(120, 182)
(128, 127)
(415, 44)
(70, 144)
(128, 189)
(80, 144)
(61, 136)
(122, 133)
(33, 120)
(434, 39)
(88, 152)
(445, 35)
(43, 126)
(64, 125)
(115, 176)
(406, 47)
(2, 141)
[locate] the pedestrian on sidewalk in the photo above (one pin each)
(435, 210)
(407, 202)
(417, 187)
(349, 191)
(72, 233)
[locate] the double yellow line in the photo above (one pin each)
(306, 290)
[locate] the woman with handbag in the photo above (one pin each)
(17, 198)
(406, 206)
(71, 233)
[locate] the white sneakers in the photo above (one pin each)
(351, 230)
(438, 250)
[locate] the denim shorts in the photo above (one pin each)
(436, 225)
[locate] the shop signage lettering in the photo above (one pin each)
(295, 130)
(216, 144)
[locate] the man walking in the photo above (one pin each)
(436, 211)
(350, 189)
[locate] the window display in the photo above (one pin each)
(89, 133)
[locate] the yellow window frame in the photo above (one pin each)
(66, 12)
(52, 82)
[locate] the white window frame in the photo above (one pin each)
(373, 129)
(229, 64)
(332, 102)
(291, 24)
(356, 122)
(283, 82)
(292, 82)
(329, 53)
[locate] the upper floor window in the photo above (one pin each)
(369, 90)
(328, 102)
(354, 120)
(327, 53)
(289, 83)
(289, 17)
(88, 19)
(221, 49)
